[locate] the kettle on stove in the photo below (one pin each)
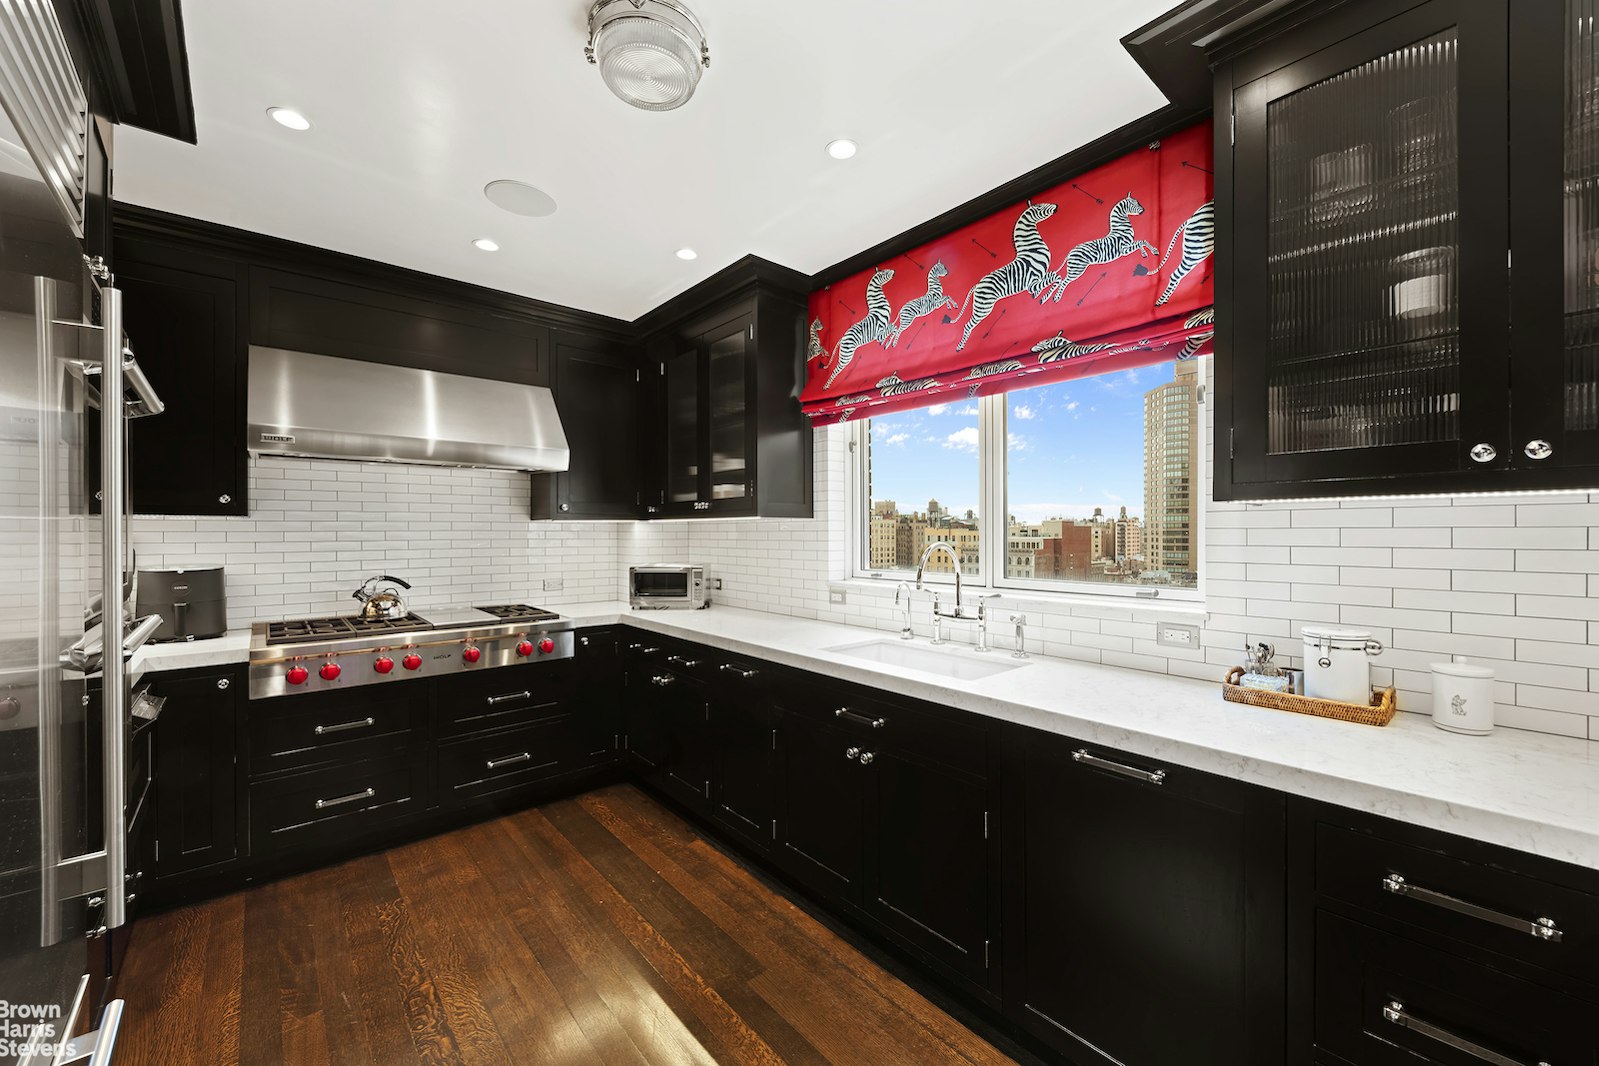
(385, 604)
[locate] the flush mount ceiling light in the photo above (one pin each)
(519, 198)
(651, 53)
(687, 253)
(484, 244)
(843, 148)
(288, 116)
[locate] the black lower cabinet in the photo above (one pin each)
(820, 836)
(1144, 912)
(644, 735)
(196, 747)
(743, 726)
(683, 709)
(930, 866)
(597, 694)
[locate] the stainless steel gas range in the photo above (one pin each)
(321, 654)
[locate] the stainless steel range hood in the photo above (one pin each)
(327, 408)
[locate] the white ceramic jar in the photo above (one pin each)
(1463, 698)
(1338, 663)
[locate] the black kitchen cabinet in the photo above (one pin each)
(197, 741)
(731, 440)
(644, 735)
(599, 393)
(743, 723)
(183, 317)
(820, 836)
(682, 705)
(598, 690)
(1144, 909)
(1374, 333)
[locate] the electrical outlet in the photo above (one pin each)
(837, 596)
(554, 584)
(1173, 635)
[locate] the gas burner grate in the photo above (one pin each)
(296, 630)
(519, 612)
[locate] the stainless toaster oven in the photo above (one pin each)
(663, 586)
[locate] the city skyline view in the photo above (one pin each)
(1073, 446)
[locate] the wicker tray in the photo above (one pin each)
(1380, 712)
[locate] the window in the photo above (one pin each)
(1099, 482)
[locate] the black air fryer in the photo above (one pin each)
(192, 603)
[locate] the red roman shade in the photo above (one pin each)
(1105, 272)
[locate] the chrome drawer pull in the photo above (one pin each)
(679, 660)
(1153, 777)
(1538, 928)
(663, 680)
(365, 793)
(495, 701)
(853, 716)
(642, 649)
(729, 668)
(1395, 1012)
(508, 760)
(342, 726)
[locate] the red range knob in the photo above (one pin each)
(329, 672)
(546, 646)
(412, 662)
(524, 649)
(471, 654)
(298, 675)
(383, 665)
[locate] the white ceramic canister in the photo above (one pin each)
(1338, 663)
(1463, 698)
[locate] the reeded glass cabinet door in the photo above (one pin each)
(1365, 219)
(729, 425)
(682, 391)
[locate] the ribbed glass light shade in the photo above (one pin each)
(650, 59)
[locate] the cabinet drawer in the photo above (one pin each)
(493, 762)
(333, 805)
(878, 723)
(500, 698)
(1382, 1000)
(1486, 906)
(290, 733)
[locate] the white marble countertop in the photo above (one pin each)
(1529, 791)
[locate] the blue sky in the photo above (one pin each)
(1073, 446)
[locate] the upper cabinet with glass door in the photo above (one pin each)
(733, 441)
(1376, 334)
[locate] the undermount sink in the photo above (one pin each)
(945, 661)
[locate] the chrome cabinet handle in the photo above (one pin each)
(1538, 928)
(222, 683)
(365, 793)
(853, 716)
(508, 760)
(852, 753)
(641, 649)
(1153, 777)
(867, 757)
(679, 660)
(360, 723)
(663, 680)
(729, 668)
(1395, 1012)
(224, 498)
(495, 701)
(1538, 449)
(1484, 453)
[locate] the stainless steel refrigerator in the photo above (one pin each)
(66, 379)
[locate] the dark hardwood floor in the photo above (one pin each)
(599, 930)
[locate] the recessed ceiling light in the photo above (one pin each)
(842, 148)
(288, 116)
(519, 198)
(687, 253)
(484, 244)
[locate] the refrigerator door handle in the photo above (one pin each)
(114, 672)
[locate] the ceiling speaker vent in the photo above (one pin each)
(651, 53)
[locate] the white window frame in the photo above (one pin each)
(993, 434)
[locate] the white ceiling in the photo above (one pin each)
(417, 105)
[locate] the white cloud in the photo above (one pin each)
(1072, 406)
(1016, 442)
(1024, 412)
(951, 409)
(898, 438)
(964, 440)
(1109, 495)
(969, 409)
(938, 408)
